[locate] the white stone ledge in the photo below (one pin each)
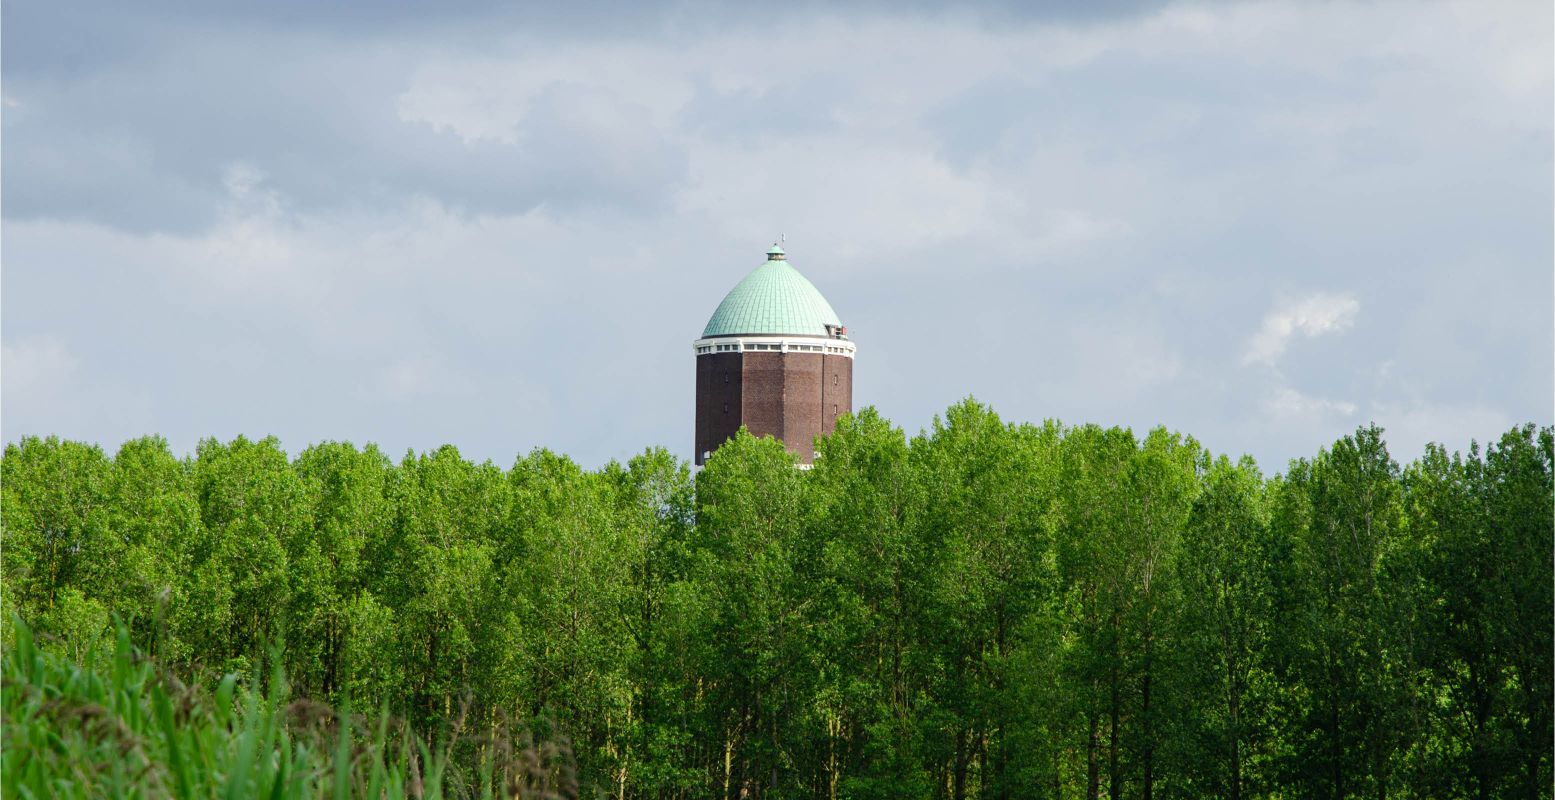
(767, 344)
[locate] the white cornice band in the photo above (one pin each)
(781, 344)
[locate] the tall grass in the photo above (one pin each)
(120, 727)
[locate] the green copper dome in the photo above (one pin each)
(773, 299)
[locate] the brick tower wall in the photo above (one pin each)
(763, 401)
(719, 382)
(793, 397)
(801, 403)
(836, 390)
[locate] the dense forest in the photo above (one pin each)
(983, 610)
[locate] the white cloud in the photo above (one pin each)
(51, 387)
(1123, 362)
(417, 375)
(444, 221)
(36, 365)
(1409, 428)
(1287, 403)
(489, 98)
(39, 378)
(241, 178)
(1315, 315)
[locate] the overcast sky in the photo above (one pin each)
(1262, 224)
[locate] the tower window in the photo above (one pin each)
(834, 410)
(726, 408)
(834, 380)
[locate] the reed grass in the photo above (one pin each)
(118, 726)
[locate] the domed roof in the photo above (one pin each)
(774, 298)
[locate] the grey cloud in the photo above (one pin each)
(804, 106)
(146, 149)
(128, 117)
(46, 38)
(63, 39)
(1091, 238)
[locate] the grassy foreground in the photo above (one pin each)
(119, 727)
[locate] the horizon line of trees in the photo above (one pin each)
(983, 610)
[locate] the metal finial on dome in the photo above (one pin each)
(776, 253)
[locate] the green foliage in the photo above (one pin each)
(119, 727)
(982, 610)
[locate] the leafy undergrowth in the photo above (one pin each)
(119, 727)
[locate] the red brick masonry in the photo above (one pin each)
(791, 396)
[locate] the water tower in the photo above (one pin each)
(774, 358)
